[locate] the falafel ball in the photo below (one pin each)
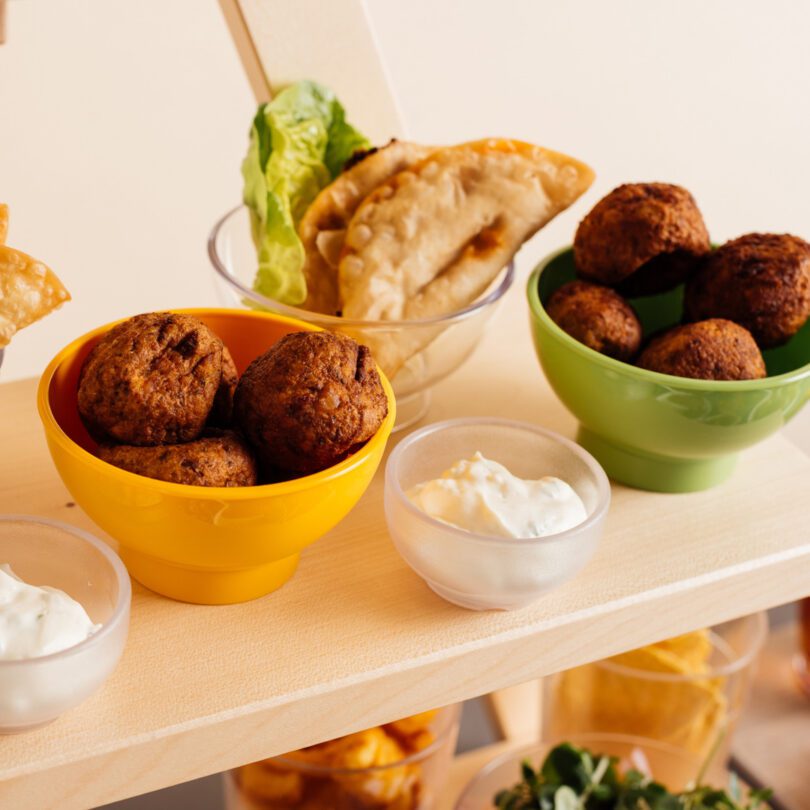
(309, 401)
(715, 349)
(222, 409)
(151, 380)
(643, 238)
(598, 317)
(219, 458)
(760, 280)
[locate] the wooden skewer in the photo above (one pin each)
(280, 42)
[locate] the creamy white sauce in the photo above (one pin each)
(36, 621)
(482, 496)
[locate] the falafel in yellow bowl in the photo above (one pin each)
(203, 544)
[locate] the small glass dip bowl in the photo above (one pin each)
(35, 691)
(436, 346)
(478, 571)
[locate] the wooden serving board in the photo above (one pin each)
(356, 639)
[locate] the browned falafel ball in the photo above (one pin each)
(219, 458)
(598, 317)
(309, 401)
(151, 380)
(222, 409)
(715, 349)
(642, 238)
(760, 280)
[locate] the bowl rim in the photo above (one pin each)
(334, 321)
(55, 432)
(120, 611)
(393, 485)
(453, 714)
(538, 311)
(588, 739)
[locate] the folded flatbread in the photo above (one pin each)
(431, 239)
(323, 227)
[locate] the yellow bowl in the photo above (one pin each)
(209, 545)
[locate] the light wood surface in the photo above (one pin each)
(314, 39)
(518, 711)
(356, 638)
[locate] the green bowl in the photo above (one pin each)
(655, 431)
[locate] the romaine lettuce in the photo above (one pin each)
(299, 143)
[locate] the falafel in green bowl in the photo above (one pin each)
(657, 431)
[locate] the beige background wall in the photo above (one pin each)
(122, 124)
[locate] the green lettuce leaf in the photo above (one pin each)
(299, 143)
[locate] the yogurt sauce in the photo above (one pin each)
(482, 496)
(38, 621)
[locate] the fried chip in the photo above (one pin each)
(3, 223)
(267, 781)
(372, 749)
(29, 290)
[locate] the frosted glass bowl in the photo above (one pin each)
(35, 691)
(477, 571)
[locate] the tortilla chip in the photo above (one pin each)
(29, 290)
(3, 223)
(693, 649)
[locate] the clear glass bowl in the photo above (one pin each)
(435, 346)
(415, 782)
(34, 691)
(481, 572)
(670, 766)
(695, 711)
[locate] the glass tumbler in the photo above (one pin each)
(398, 766)
(694, 709)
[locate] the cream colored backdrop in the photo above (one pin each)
(122, 124)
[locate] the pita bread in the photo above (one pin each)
(323, 227)
(28, 291)
(432, 238)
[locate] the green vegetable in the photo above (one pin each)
(299, 143)
(573, 778)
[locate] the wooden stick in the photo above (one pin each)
(244, 46)
(331, 42)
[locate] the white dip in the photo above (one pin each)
(38, 621)
(482, 496)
